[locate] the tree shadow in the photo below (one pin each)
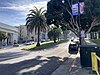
(76, 68)
(13, 69)
(11, 55)
(52, 64)
(47, 66)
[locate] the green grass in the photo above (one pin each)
(29, 47)
(32, 47)
(97, 41)
(16, 45)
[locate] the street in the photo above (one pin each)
(15, 61)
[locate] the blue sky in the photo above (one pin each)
(13, 12)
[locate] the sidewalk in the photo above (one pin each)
(9, 47)
(88, 42)
(6, 47)
(72, 66)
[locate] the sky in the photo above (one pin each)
(14, 12)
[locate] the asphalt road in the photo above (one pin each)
(15, 61)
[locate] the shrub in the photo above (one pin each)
(16, 45)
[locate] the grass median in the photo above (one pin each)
(97, 41)
(42, 46)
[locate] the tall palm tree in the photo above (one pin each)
(36, 20)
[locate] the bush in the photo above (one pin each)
(97, 41)
(16, 45)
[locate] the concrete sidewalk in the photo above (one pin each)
(72, 66)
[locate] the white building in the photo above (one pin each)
(12, 33)
(26, 36)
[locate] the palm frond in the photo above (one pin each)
(36, 19)
(27, 22)
(42, 13)
(36, 27)
(30, 14)
(33, 12)
(40, 10)
(36, 9)
(29, 18)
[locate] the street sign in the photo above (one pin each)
(75, 8)
(81, 7)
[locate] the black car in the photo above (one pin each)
(73, 48)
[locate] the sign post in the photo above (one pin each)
(78, 9)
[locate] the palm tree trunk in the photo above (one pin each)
(38, 44)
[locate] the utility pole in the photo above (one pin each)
(79, 21)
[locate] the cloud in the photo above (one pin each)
(22, 11)
(27, 6)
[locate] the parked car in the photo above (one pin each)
(43, 40)
(73, 48)
(76, 41)
(29, 43)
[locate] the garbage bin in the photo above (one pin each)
(85, 54)
(73, 48)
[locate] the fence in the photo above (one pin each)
(95, 59)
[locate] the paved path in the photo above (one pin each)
(18, 62)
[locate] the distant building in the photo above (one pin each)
(24, 35)
(12, 33)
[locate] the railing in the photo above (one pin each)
(95, 59)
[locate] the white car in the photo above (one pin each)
(43, 40)
(76, 41)
(29, 43)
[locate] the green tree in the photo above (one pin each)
(59, 12)
(54, 33)
(3, 36)
(36, 20)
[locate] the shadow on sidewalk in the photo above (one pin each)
(36, 66)
(76, 69)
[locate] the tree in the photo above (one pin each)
(54, 33)
(88, 20)
(59, 12)
(36, 20)
(3, 36)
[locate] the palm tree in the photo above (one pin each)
(36, 20)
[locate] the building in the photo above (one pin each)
(24, 35)
(12, 33)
